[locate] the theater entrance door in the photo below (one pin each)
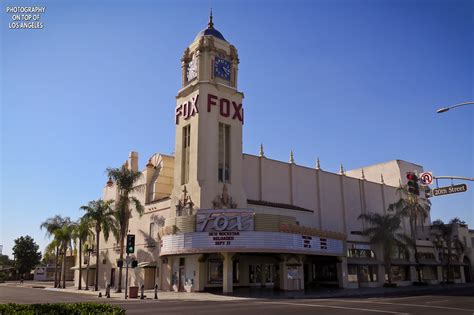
(264, 275)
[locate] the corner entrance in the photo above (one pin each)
(248, 271)
(263, 275)
(320, 271)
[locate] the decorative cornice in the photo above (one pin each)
(276, 205)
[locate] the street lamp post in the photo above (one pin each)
(445, 109)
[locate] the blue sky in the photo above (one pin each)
(356, 82)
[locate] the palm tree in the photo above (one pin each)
(417, 211)
(51, 225)
(101, 215)
(383, 231)
(64, 236)
(81, 234)
(125, 179)
(445, 240)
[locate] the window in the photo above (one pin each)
(429, 272)
(223, 173)
(454, 272)
(352, 273)
(360, 253)
(400, 253)
(215, 271)
(367, 273)
(185, 154)
(400, 273)
(362, 273)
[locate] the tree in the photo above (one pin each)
(82, 232)
(125, 180)
(26, 254)
(417, 211)
(6, 261)
(64, 236)
(51, 225)
(101, 215)
(444, 240)
(383, 231)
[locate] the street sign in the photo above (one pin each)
(426, 178)
(449, 190)
(128, 260)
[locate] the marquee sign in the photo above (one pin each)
(226, 108)
(219, 221)
(249, 241)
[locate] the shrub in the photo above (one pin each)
(61, 308)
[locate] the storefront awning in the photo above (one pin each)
(429, 262)
(401, 262)
(148, 264)
(84, 267)
(363, 261)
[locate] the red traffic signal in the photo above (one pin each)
(413, 183)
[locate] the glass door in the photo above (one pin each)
(262, 274)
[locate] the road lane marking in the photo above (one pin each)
(437, 301)
(337, 307)
(415, 305)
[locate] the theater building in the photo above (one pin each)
(216, 217)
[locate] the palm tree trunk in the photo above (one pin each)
(80, 265)
(56, 267)
(415, 248)
(64, 269)
(97, 259)
(87, 271)
(60, 274)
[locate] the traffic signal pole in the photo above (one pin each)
(126, 276)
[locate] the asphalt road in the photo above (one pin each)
(460, 302)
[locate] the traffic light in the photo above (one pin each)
(134, 263)
(130, 243)
(413, 183)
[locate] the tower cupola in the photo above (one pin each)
(210, 30)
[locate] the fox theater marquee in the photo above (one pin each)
(219, 218)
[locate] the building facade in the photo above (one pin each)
(216, 218)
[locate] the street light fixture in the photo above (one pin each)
(445, 109)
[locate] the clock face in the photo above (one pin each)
(192, 69)
(222, 68)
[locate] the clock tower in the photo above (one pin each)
(209, 116)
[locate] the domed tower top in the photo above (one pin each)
(210, 30)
